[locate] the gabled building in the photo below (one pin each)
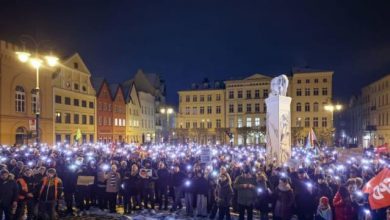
(133, 114)
(118, 113)
(104, 110)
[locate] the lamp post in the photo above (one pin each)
(167, 112)
(36, 62)
(333, 108)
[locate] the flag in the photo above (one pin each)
(378, 189)
(78, 134)
(311, 139)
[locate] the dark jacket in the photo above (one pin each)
(201, 186)
(163, 178)
(263, 196)
(246, 196)
(224, 194)
(178, 179)
(8, 192)
(284, 204)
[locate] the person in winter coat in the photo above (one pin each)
(284, 198)
(8, 195)
(223, 195)
(101, 185)
(178, 179)
(50, 191)
(162, 186)
(324, 212)
(112, 188)
(83, 193)
(189, 191)
(25, 197)
(246, 193)
(343, 207)
(304, 196)
(201, 191)
(263, 195)
(322, 189)
(147, 180)
(69, 183)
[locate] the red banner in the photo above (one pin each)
(378, 189)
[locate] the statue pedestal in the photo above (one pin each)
(278, 129)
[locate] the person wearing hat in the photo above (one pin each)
(8, 195)
(322, 189)
(246, 193)
(25, 198)
(324, 212)
(304, 197)
(50, 191)
(284, 200)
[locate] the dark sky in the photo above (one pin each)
(186, 41)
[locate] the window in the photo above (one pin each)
(188, 125)
(84, 119)
(257, 122)
(76, 102)
(299, 107)
(239, 108)
(299, 81)
(209, 110)
(239, 94)
(315, 80)
(315, 122)
(307, 91)
(84, 88)
(315, 92)
(307, 122)
(325, 91)
(91, 122)
(248, 108)
(188, 109)
(58, 99)
(248, 94)
(218, 109)
(299, 92)
(239, 122)
(75, 65)
(67, 138)
(194, 110)
(249, 122)
(67, 118)
(76, 118)
(209, 98)
(187, 98)
(324, 122)
(265, 93)
(324, 80)
(195, 98)
(231, 122)
(58, 138)
(264, 108)
(91, 105)
(67, 101)
(257, 107)
(307, 107)
(20, 96)
(299, 122)
(76, 86)
(231, 108)
(91, 138)
(34, 101)
(202, 124)
(218, 123)
(308, 81)
(84, 103)
(209, 124)
(194, 125)
(315, 107)
(218, 97)
(201, 110)
(58, 117)
(231, 94)
(257, 94)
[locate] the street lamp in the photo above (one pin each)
(167, 111)
(333, 108)
(37, 62)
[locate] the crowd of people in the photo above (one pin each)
(205, 181)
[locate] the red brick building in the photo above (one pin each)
(104, 110)
(118, 113)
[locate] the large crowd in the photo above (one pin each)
(38, 182)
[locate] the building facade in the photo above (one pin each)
(74, 101)
(148, 117)
(376, 112)
(118, 113)
(133, 114)
(104, 110)
(18, 99)
(243, 109)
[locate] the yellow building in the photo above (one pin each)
(18, 100)
(243, 111)
(376, 112)
(201, 116)
(74, 101)
(311, 91)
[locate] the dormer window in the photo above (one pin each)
(76, 65)
(76, 86)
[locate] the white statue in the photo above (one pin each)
(279, 85)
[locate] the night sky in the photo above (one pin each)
(186, 41)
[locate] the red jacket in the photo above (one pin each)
(343, 210)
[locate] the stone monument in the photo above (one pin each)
(278, 121)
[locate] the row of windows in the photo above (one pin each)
(249, 109)
(67, 138)
(324, 80)
(108, 121)
(202, 109)
(108, 106)
(298, 107)
(76, 102)
(324, 122)
(383, 119)
(66, 118)
(147, 110)
(249, 122)
(248, 94)
(315, 92)
(202, 98)
(145, 123)
(20, 100)
(203, 124)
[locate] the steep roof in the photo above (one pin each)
(77, 58)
